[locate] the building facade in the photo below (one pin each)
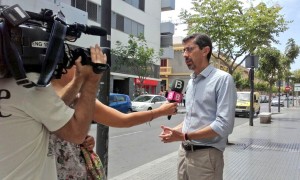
(127, 17)
(176, 68)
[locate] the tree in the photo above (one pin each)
(291, 51)
(236, 32)
(270, 67)
(296, 73)
(261, 86)
(136, 56)
(240, 82)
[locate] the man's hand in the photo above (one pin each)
(170, 135)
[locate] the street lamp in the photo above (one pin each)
(251, 62)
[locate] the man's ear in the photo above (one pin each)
(206, 50)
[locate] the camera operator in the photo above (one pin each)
(28, 115)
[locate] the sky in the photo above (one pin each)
(290, 10)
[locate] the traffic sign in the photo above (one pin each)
(287, 88)
(297, 87)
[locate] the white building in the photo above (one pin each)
(128, 17)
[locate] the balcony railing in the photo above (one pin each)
(165, 70)
(167, 5)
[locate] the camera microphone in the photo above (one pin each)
(95, 30)
(92, 30)
(175, 94)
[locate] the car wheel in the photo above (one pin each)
(149, 109)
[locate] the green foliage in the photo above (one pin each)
(240, 82)
(261, 87)
(270, 66)
(296, 74)
(291, 51)
(235, 31)
(136, 56)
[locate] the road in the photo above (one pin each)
(132, 147)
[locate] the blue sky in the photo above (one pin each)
(290, 10)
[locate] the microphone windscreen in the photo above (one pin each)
(177, 85)
(95, 30)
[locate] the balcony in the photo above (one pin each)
(167, 28)
(166, 41)
(167, 5)
(165, 71)
(168, 53)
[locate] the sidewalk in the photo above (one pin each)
(263, 151)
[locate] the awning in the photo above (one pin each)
(146, 82)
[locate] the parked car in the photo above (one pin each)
(147, 102)
(120, 102)
(264, 98)
(275, 101)
(243, 103)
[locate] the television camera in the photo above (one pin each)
(35, 42)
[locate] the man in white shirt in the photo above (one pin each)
(210, 109)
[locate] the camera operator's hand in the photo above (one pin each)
(86, 71)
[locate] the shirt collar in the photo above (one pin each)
(203, 73)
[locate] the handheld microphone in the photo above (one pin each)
(175, 94)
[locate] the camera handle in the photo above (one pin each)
(86, 60)
(54, 53)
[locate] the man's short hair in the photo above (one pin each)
(200, 39)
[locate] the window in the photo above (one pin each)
(140, 4)
(162, 99)
(126, 25)
(79, 4)
(163, 62)
(93, 9)
(134, 27)
(155, 99)
(120, 23)
(140, 29)
(113, 20)
(121, 98)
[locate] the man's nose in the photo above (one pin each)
(185, 54)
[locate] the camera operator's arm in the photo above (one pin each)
(76, 129)
(69, 85)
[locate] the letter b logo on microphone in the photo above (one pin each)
(178, 84)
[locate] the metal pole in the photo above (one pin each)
(252, 90)
(103, 95)
(279, 84)
(293, 94)
(288, 92)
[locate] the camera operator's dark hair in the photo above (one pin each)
(202, 40)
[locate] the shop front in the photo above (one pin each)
(149, 85)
